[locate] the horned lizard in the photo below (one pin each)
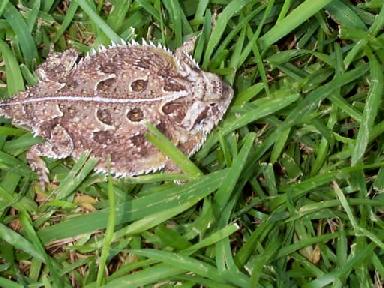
(101, 103)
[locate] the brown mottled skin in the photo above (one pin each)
(101, 104)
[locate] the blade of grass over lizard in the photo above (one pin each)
(167, 147)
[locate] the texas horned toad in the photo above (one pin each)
(102, 102)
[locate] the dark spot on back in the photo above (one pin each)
(103, 137)
(170, 107)
(105, 85)
(175, 110)
(135, 115)
(139, 85)
(104, 115)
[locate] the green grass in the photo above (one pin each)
(286, 191)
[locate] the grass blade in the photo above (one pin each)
(99, 21)
(15, 81)
(25, 39)
(135, 209)
(195, 266)
(370, 110)
(298, 16)
(222, 20)
(20, 242)
(108, 233)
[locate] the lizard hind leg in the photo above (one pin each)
(59, 146)
(38, 165)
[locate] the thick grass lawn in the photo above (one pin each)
(288, 190)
